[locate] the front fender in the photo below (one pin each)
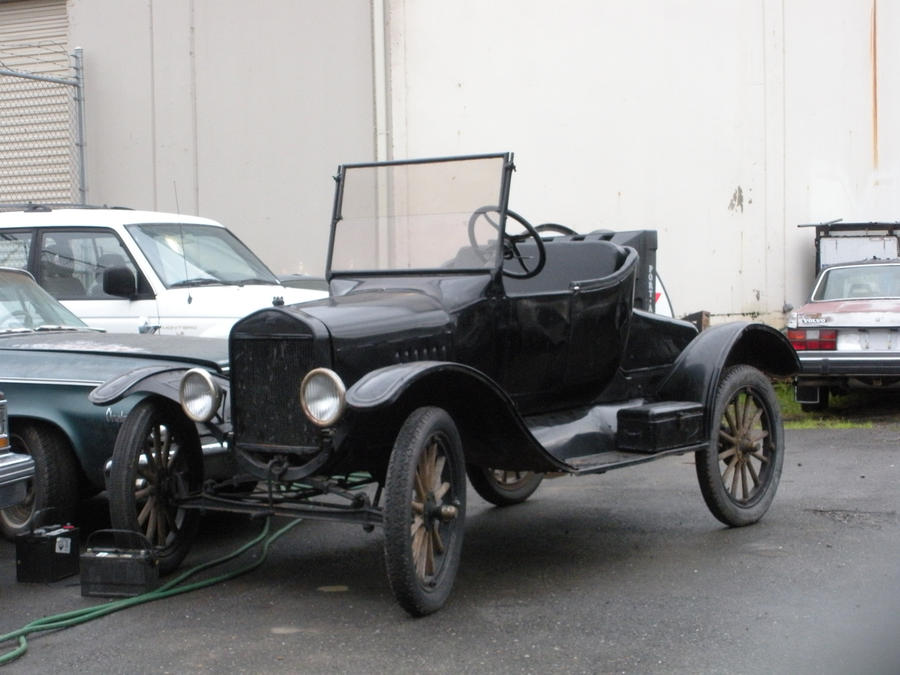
(384, 386)
(696, 373)
(493, 432)
(161, 380)
(165, 382)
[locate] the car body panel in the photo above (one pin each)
(697, 370)
(51, 384)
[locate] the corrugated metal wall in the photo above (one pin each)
(39, 145)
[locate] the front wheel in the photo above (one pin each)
(157, 460)
(740, 468)
(424, 511)
(501, 487)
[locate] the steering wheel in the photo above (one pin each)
(555, 228)
(510, 242)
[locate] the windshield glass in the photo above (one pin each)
(26, 306)
(194, 255)
(419, 215)
(859, 281)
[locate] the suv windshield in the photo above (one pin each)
(196, 255)
(402, 216)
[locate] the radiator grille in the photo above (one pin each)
(265, 387)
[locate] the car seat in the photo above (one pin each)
(58, 274)
(860, 291)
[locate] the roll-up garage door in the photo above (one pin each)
(41, 158)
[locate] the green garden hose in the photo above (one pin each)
(173, 587)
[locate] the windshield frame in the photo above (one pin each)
(179, 268)
(493, 261)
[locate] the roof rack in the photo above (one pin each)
(50, 206)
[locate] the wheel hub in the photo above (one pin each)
(437, 511)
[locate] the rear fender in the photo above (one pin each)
(696, 373)
(493, 432)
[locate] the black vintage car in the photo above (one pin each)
(457, 340)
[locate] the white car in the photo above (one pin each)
(142, 271)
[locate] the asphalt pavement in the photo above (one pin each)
(621, 573)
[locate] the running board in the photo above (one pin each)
(614, 459)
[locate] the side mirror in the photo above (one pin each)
(119, 281)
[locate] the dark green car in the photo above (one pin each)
(49, 362)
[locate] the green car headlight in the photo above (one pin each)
(322, 396)
(200, 395)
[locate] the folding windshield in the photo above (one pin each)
(199, 255)
(420, 216)
(859, 281)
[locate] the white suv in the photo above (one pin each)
(142, 271)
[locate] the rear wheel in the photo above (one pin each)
(157, 460)
(740, 469)
(501, 487)
(424, 511)
(54, 488)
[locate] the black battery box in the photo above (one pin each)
(656, 427)
(48, 553)
(118, 564)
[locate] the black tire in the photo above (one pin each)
(821, 406)
(503, 488)
(424, 511)
(740, 469)
(157, 459)
(55, 486)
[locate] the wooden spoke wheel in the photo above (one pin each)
(740, 469)
(424, 513)
(156, 461)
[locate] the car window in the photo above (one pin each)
(860, 281)
(24, 305)
(189, 254)
(14, 249)
(72, 262)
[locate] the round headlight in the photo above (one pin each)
(200, 395)
(322, 396)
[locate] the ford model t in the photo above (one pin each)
(457, 340)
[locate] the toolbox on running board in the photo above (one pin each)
(656, 427)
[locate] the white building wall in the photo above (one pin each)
(723, 124)
(241, 109)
